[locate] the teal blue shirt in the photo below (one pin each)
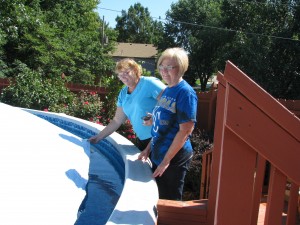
(140, 102)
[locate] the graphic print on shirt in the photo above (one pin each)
(165, 103)
(155, 117)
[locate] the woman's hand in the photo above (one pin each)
(95, 139)
(185, 129)
(143, 156)
(160, 169)
(113, 125)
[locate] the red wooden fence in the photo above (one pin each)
(4, 82)
(206, 110)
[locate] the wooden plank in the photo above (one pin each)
(182, 212)
(236, 181)
(292, 205)
(205, 174)
(276, 194)
(206, 110)
(257, 190)
(218, 138)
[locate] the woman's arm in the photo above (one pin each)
(185, 129)
(114, 124)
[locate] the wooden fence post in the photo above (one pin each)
(206, 110)
(4, 82)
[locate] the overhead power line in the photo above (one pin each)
(265, 3)
(113, 10)
(212, 27)
(231, 30)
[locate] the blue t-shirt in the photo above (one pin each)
(140, 102)
(177, 105)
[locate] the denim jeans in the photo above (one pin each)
(171, 183)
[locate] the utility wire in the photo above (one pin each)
(230, 30)
(113, 10)
(266, 3)
(212, 27)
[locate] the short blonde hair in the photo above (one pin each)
(177, 54)
(128, 64)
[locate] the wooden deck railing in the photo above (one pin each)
(251, 129)
(205, 173)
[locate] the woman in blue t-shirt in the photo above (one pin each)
(173, 120)
(137, 98)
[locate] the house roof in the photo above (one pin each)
(135, 50)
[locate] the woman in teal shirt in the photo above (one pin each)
(137, 98)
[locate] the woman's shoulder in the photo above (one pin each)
(153, 81)
(123, 90)
(149, 78)
(185, 88)
(183, 85)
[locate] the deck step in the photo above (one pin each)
(182, 212)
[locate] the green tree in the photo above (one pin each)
(137, 26)
(3, 66)
(261, 38)
(190, 24)
(265, 43)
(57, 37)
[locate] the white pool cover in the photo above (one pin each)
(44, 169)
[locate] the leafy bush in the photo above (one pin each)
(30, 90)
(201, 142)
(88, 106)
(114, 85)
(126, 130)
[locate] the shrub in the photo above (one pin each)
(88, 106)
(126, 130)
(30, 90)
(201, 142)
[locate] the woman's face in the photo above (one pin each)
(128, 77)
(168, 70)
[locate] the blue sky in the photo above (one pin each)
(113, 8)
